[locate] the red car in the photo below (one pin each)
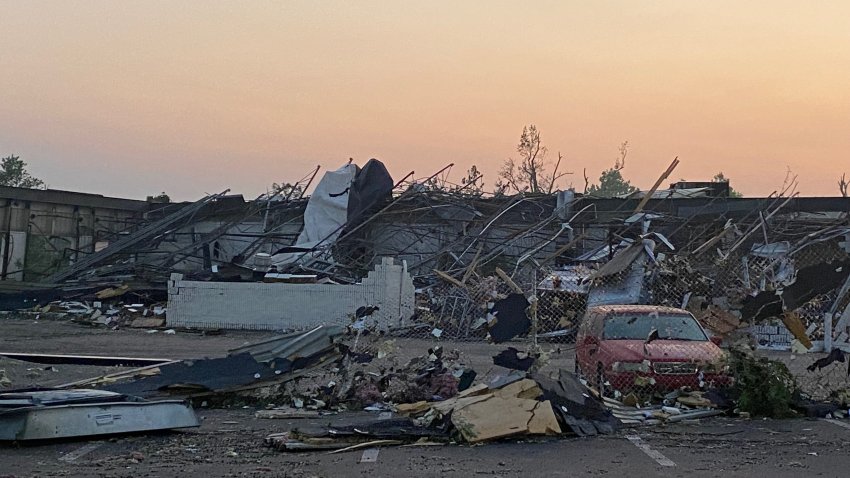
(628, 347)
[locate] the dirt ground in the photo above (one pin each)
(230, 441)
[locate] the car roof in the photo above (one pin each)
(639, 309)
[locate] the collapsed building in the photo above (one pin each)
(777, 265)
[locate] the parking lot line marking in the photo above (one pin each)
(73, 456)
(836, 422)
(654, 454)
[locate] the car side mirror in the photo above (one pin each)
(716, 340)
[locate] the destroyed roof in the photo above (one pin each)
(228, 204)
(637, 309)
(705, 208)
(684, 193)
(71, 198)
(571, 279)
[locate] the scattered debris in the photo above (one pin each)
(513, 359)
(583, 413)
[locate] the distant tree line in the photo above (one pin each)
(13, 172)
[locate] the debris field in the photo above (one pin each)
(378, 314)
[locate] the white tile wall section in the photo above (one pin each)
(279, 306)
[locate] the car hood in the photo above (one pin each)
(662, 351)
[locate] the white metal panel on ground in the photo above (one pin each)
(64, 421)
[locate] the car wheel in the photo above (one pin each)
(600, 381)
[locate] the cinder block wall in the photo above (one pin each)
(278, 306)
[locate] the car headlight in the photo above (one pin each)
(621, 367)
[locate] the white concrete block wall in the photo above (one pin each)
(279, 306)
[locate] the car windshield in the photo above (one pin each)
(637, 326)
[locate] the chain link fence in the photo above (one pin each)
(567, 317)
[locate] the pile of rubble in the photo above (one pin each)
(509, 407)
(100, 313)
(113, 307)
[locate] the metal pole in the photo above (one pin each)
(534, 303)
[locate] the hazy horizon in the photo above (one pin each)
(130, 99)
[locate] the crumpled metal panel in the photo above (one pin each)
(293, 346)
(66, 421)
(626, 291)
(34, 397)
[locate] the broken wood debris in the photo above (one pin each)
(511, 406)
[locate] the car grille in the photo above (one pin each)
(674, 368)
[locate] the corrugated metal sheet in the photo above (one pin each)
(293, 346)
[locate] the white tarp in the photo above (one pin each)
(326, 212)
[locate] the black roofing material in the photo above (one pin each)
(511, 319)
(510, 359)
(372, 186)
(813, 281)
(762, 306)
(584, 414)
(204, 374)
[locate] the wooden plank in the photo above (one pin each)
(286, 414)
(471, 268)
(368, 444)
(505, 277)
(450, 279)
(795, 326)
(660, 180)
(112, 377)
(408, 409)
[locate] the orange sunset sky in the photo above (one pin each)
(131, 98)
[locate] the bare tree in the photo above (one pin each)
(620, 162)
(842, 185)
(473, 183)
(586, 180)
(528, 172)
(287, 190)
(611, 181)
